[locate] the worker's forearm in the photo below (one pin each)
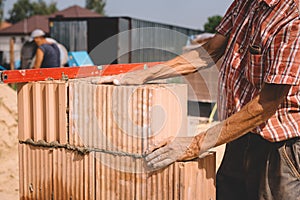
(205, 56)
(256, 112)
(235, 126)
(252, 115)
(187, 63)
(184, 64)
(181, 65)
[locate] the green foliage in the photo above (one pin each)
(96, 5)
(24, 8)
(41, 8)
(20, 10)
(212, 23)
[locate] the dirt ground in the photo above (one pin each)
(9, 170)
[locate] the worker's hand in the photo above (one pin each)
(107, 79)
(130, 78)
(171, 150)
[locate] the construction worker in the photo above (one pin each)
(47, 53)
(259, 98)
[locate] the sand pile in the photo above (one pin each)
(9, 170)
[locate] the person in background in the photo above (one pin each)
(47, 53)
(28, 51)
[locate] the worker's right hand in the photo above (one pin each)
(130, 78)
(170, 150)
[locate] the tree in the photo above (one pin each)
(96, 5)
(23, 9)
(20, 10)
(212, 23)
(41, 8)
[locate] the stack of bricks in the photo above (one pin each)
(84, 141)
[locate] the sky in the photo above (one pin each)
(188, 13)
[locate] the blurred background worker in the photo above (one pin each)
(47, 53)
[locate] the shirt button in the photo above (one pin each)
(264, 7)
(241, 50)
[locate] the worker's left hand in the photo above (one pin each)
(171, 150)
(130, 78)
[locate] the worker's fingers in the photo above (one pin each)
(158, 154)
(154, 154)
(159, 144)
(160, 158)
(160, 164)
(116, 80)
(103, 79)
(130, 78)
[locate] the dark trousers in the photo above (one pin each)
(254, 168)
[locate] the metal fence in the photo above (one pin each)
(121, 39)
(72, 34)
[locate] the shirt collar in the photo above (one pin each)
(270, 3)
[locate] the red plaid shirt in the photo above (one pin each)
(264, 47)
